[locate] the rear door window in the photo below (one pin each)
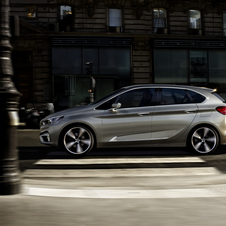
(196, 97)
(174, 96)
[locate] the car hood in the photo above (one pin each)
(69, 111)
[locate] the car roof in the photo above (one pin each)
(171, 86)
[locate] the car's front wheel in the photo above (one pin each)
(77, 140)
(203, 140)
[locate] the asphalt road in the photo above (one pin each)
(138, 186)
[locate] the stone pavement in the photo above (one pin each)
(131, 198)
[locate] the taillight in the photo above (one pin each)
(222, 110)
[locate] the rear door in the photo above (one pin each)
(173, 114)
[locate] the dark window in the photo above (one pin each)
(198, 66)
(65, 18)
(108, 61)
(195, 19)
(159, 20)
(115, 17)
(136, 98)
(174, 96)
(66, 61)
(224, 24)
(106, 97)
(175, 68)
(217, 66)
(107, 105)
(114, 61)
(23, 75)
(31, 11)
(197, 98)
(90, 54)
(115, 20)
(195, 23)
(131, 99)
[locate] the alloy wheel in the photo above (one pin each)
(204, 140)
(78, 140)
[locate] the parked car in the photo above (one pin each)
(141, 115)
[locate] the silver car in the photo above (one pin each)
(141, 116)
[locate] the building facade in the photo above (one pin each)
(127, 41)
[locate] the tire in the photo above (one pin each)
(203, 140)
(77, 141)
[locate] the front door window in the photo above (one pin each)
(136, 98)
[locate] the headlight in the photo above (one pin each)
(51, 121)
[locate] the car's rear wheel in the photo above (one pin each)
(77, 140)
(203, 140)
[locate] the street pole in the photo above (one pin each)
(93, 81)
(9, 100)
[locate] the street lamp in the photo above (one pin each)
(9, 98)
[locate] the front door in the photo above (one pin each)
(132, 121)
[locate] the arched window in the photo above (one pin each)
(195, 22)
(159, 20)
(65, 18)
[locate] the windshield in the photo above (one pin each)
(106, 97)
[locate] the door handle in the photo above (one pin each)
(143, 114)
(191, 111)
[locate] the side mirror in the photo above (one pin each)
(115, 106)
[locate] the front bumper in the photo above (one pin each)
(49, 135)
(45, 138)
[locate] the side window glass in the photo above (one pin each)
(174, 96)
(197, 98)
(136, 98)
(147, 98)
(181, 97)
(167, 97)
(107, 105)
